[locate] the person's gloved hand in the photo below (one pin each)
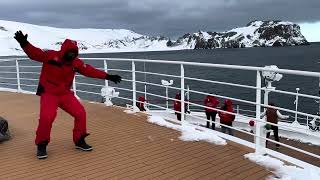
(22, 39)
(114, 78)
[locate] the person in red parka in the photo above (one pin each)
(140, 103)
(226, 118)
(57, 74)
(211, 102)
(177, 106)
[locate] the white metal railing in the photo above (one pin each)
(259, 133)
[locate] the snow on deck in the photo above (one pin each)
(126, 146)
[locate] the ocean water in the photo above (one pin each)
(297, 58)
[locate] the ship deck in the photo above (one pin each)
(126, 146)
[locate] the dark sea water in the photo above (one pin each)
(297, 58)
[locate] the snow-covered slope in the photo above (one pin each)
(255, 34)
(89, 40)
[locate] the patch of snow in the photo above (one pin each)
(129, 111)
(283, 171)
(188, 131)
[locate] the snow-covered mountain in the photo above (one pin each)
(89, 40)
(255, 34)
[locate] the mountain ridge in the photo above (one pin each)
(90, 40)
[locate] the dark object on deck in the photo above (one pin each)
(4, 130)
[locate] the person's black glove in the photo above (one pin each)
(22, 39)
(114, 78)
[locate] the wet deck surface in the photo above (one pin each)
(125, 147)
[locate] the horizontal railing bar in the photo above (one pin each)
(30, 66)
(10, 84)
(226, 66)
(29, 79)
(159, 74)
(239, 67)
(8, 78)
(7, 66)
(32, 85)
(123, 89)
(7, 72)
(220, 82)
(159, 85)
(120, 70)
(88, 84)
(29, 72)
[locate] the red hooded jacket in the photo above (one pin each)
(226, 118)
(141, 102)
(177, 103)
(211, 101)
(57, 74)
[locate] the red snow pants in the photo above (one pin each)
(48, 111)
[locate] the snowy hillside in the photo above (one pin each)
(89, 40)
(255, 34)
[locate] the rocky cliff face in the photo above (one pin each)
(255, 34)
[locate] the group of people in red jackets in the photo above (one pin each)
(211, 109)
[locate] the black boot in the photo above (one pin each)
(42, 150)
(213, 126)
(82, 145)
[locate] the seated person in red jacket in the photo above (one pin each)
(141, 103)
(211, 102)
(57, 74)
(225, 118)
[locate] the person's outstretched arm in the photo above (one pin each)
(32, 52)
(90, 71)
(280, 116)
(263, 114)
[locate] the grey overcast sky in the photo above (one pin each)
(158, 17)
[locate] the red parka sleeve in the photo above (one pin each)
(89, 71)
(36, 54)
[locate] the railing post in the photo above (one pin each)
(105, 65)
(18, 76)
(238, 111)
(258, 141)
(296, 103)
(188, 98)
(74, 87)
(307, 123)
(134, 93)
(182, 94)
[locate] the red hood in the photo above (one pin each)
(69, 45)
(178, 96)
(142, 99)
(228, 102)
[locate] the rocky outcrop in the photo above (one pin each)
(255, 34)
